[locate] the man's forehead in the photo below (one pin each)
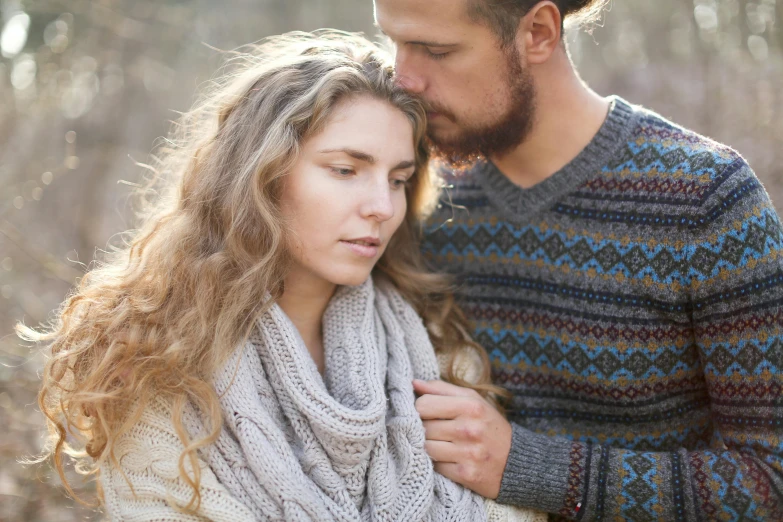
(413, 19)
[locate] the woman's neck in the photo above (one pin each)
(304, 301)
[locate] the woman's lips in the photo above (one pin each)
(360, 249)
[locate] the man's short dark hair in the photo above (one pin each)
(502, 16)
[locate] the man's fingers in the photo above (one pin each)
(448, 470)
(441, 407)
(441, 388)
(441, 451)
(444, 430)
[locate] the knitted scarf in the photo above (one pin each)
(346, 446)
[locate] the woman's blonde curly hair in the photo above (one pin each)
(161, 314)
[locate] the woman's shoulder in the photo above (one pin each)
(150, 440)
(142, 479)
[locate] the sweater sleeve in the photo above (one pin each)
(146, 484)
(733, 269)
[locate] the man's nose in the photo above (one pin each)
(406, 74)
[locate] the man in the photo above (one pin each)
(624, 274)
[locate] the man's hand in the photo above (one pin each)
(468, 439)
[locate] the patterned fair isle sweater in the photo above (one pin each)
(632, 303)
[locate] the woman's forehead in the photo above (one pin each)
(367, 126)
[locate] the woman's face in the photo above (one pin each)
(345, 196)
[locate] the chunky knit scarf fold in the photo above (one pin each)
(348, 446)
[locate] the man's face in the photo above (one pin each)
(480, 97)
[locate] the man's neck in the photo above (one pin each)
(568, 116)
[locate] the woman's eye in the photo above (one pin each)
(399, 183)
(342, 171)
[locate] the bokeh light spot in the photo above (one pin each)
(758, 47)
(14, 35)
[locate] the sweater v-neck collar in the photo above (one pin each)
(519, 203)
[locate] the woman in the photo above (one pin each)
(250, 354)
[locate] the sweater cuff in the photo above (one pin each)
(536, 473)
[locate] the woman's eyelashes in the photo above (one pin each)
(345, 172)
(342, 171)
(399, 183)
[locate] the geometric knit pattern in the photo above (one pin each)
(632, 304)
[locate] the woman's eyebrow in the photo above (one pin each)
(406, 164)
(368, 158)
(357, 154)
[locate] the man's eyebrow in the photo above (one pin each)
(357, 154)
(425, 43)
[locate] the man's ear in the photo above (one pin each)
(540, 32)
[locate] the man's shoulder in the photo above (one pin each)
(660, 144)
(669, 160)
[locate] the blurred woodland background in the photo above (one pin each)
(86, 86)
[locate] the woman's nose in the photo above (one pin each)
(379, 204)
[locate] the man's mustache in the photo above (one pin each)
(439, 109)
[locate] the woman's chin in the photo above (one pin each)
(350, 277)
(354, 280)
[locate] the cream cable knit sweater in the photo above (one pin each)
(296, 446)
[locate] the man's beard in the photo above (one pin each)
(496, 138)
